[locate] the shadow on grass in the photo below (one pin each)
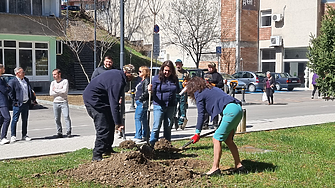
(162, 155)
(256, 166)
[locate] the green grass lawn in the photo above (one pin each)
(295, 157)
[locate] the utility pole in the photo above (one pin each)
(121, 64)
(95, 35)
(238, 51)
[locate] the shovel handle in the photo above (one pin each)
(191, 141)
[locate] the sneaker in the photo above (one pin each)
(59, 135)
(4, 141)
(136, 140)
(184, 124)
(26, 138)
(312, 97)
(319, 97)
(12, 139)
(68, 135)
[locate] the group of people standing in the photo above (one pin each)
(102, 102)
(18, 93)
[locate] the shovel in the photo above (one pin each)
(191, 141)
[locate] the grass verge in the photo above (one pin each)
(295, 157)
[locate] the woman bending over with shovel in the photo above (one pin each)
(214, 101)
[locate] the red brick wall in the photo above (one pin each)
(265, 33)
(227, 60)
(228, 24)
(249, 61)
(249, 25)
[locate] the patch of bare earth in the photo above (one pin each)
(136, 169)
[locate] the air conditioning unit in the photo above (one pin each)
(275, 41)
(277, 17)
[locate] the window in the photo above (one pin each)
(268, 54)
(266, 18)
(3, 6)
(30, 7)
(33, 57)
(296, 53)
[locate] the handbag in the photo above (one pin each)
(264, 97)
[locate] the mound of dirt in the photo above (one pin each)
(133, 169)
(165, 146)
(127, 144)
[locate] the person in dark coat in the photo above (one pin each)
(108, 65)
(4, 112)
(214, 101)
(102, 99)
(315, 86)
(21, 95)
(269, 87)
(142, 104)
(215, 79)
(164, 87)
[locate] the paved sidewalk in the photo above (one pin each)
(41, 147)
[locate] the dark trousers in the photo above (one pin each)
(4, 121)
(104, 127)
(269, 94)
(215, 120)
(315, 87)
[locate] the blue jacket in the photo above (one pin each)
(16, 94)
(164, 93)
(105, 91)
(212, 101)
(4, 90)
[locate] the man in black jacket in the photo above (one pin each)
(214, 78)
(101, 98)
(108, 65)
(21, 95)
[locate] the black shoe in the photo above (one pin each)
(68, 135)
(59, 135)
(205, 127)
(97, 158)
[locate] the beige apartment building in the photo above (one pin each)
(269, 35)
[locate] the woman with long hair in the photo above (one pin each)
(164, 88)
(142, 103)
(213, 100)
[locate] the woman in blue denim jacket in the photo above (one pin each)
(142, 100)
(164, 88)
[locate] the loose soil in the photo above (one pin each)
(139, 167)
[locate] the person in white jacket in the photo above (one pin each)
(59, 89)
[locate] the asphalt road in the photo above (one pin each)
(286, 104)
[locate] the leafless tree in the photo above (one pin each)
(192, 25)
(75, 35)
(135, 14)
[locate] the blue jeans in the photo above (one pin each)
(141, 120)
(24, 111)
(62, 107)
(164, 114)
